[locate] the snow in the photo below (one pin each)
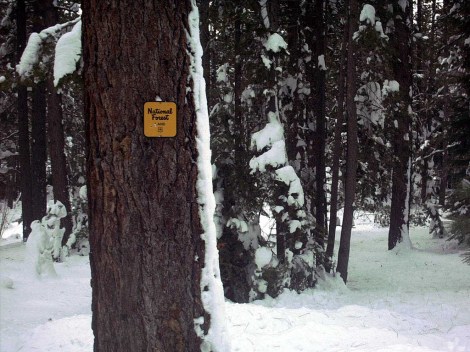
(321, 62)
(212, 293)
(2, 79)
(390, 87)
(288, 175)
(263, 256)
(414, 300)
(275, 43)
(30, 55)
(403, 4)
(379, 28)
(264, 13)
(368, 14)
(267, 63)
(68, 52)
(276, 156)
(272, 132)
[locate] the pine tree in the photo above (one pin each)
(155, 279)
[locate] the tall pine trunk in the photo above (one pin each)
(56, 134)
(351, 158)
(23, 126)
(337, 153)
(57, 155)
(316, 22)
(38, 151)
(401, 178)
(147, 252)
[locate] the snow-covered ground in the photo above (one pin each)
(400, 300)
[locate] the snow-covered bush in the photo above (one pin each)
(45, 241)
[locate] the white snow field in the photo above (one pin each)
(403, 300)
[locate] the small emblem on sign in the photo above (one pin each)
(159, 119)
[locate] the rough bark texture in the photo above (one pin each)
(38, 151)
(144, 220)
(23, 129)
(351, 158)
(401, 142)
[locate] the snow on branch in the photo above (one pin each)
(34, 49)
(68, 52)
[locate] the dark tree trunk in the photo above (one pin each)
(23, 126)
(351, 158)
(57, 155)
(38, 129)
(144, 217)
(337, 153)
(38, 151)
(316, 22)
(56, 132)
(401, 43)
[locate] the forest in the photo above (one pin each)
(299, 127)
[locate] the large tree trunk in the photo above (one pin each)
(145, 227)
(401, 179)
(351, 158)
(23, 126)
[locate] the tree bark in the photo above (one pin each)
(57, 155)
(38, 151)
(23, 126)
(336, 154)
(401, 182)
(316, 22)
(351, 158)
(146, 249)
(55, 133)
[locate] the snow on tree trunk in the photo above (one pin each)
(212, 294)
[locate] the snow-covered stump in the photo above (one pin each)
(45, 241)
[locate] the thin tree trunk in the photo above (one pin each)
(320, 116)
(401, 177)
(38, 151)
(23, 126)
(56, 134)
(57, 155)
(316, 75)
(351, 158)
(337, 154)
(145, 228)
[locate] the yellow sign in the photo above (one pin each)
(160, 119)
